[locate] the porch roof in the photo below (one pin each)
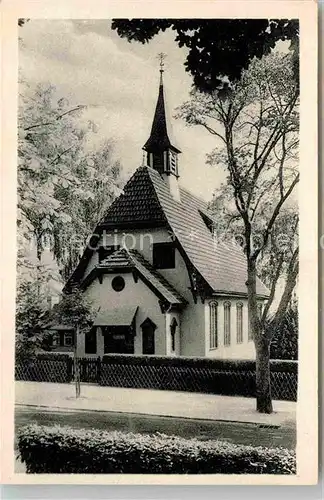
(121, 316)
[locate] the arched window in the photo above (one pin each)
(148, 336)
(213, 331)
(173, 329)
(239, 322)
(227, 323)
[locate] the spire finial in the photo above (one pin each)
(161, 56)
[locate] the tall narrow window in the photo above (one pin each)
(227, 323)
(213, 332)
(239, 322)
(173, 329)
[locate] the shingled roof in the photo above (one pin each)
(138, 203)
(124, 259)
(147, 197)
(147, 200)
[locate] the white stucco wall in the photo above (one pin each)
(191, 331)
(192, 337)
(244, 350)
(168, 320)
(134, 294)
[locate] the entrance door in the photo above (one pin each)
(148, 336)
(118, 340)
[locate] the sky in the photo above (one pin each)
(90, 64)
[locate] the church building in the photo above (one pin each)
(159, 282)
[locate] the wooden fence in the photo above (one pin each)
(203, 375)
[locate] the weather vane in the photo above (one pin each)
(161, 57)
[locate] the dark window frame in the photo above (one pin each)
(92, 342)
(239, 322)
(114, 283)
(158, 253)
(213, 327)
(148, 328)
(227, 323)
(173, 331)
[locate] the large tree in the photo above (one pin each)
(217, 47)
(63, 184)
(256, 126)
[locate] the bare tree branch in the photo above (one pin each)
(43, 124)
(291, 280)
(273, 287)
(275, 215)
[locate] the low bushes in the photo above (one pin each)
(66, 450)
(197, 362)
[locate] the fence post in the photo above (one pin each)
(69, 369)
(98, 370)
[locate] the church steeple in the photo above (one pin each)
(162, 155)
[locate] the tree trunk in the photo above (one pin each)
(76, 366)
(262, 346)
(263, 383)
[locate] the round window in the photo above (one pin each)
(118, 283)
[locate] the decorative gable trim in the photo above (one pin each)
(134, 267)
(198, 285)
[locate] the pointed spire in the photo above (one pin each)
(159, 140)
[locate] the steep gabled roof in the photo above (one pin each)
(222, 267)
(147, 200)
(129, 260)
(138, 203)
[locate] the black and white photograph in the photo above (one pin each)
(158, 291)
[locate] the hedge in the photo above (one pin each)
(54, 356)
(276, 365)
(58, 450)
(45, 368)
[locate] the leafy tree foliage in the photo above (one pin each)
(32, 314)
(284, 343)
(63, 188)
(76, 310)
(217, 47)
(256, 125)
(63, 185)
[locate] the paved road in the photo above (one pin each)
(240, 433)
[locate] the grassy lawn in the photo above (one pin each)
(239, 433)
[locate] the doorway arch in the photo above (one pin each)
(148, 336)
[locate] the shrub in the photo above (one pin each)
(65, 450)
(197, 362)
(54, 356)
(206, 375)
(284, 343)
(45, 368)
